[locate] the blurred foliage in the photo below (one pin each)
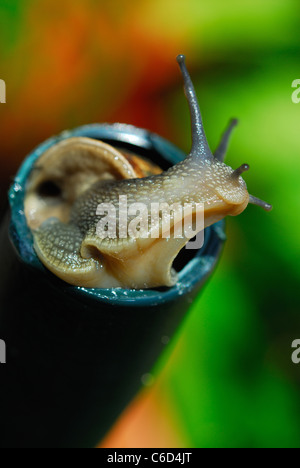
(230, 380)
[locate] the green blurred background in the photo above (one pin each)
(229, 380)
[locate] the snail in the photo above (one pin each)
(77, 175)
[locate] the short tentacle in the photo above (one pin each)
(240, 170)
(253, 200)
(256, 201)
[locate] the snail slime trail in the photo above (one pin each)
(76, 176)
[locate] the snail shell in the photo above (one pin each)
(76, 176)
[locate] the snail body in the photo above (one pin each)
(88, 174)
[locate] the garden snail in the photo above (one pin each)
(75, 176)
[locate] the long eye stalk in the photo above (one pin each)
(200, 145)
(220, 152)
